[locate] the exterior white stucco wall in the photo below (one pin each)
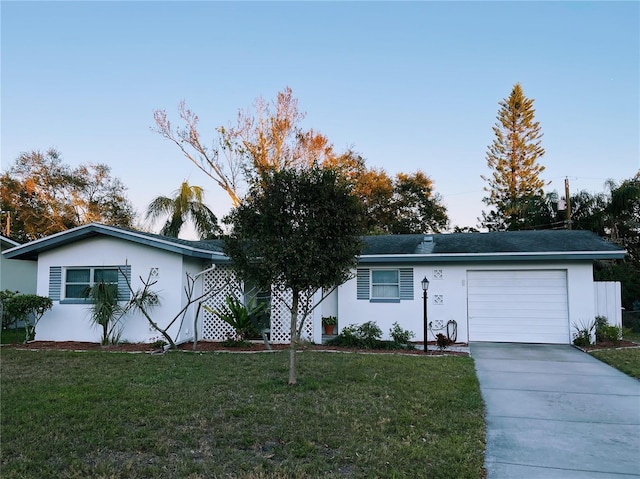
(18, 275)
(15, 274)
(185, 323)
(581, 291)
(447, 296)
(71, 321)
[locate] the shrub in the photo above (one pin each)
(28, 308)
(370, 334)
(607, 333)
(600, 325)
(442, 341)
(366, 336)
(157, 343)
(611, 334)
(399, 335)
(582, 334)
(8, 319)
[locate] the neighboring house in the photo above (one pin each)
(527, 286)
(16, 275)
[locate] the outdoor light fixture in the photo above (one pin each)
(425, 287)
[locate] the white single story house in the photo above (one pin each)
(524, 286)
(16, 275)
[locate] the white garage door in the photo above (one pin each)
(518, 306)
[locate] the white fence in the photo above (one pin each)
(608, 302)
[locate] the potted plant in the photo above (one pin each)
(329, 322)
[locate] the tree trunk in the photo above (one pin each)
(105, 333)
(294, 338)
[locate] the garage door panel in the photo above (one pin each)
(489, 288)
(519, 315)
(518, 306)
(519, 300)
(546, 304)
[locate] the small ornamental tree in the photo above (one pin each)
(297, 229)
(28, 308)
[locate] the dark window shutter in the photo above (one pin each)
(124, 294)
(406, 283)
(55, 282)
(363, 283)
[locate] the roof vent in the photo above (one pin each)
(427, 239)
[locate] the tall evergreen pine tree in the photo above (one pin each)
(514, 186)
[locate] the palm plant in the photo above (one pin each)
(187, 203)
(105, 310)
(246, 321)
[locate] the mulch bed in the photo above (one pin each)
(209, 346)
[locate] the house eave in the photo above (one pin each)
(30, 251)
(491, 257)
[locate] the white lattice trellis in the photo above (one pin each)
(281, 316)
(223, 281)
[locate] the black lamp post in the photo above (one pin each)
(425, 287)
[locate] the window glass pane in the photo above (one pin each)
(384, 276)
(106, 275)
(78, 276)
(385, 291)
(76, 290)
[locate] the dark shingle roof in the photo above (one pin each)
(532, 245)
(548, 241)
(522, 241)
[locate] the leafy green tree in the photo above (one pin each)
(416, 208)
(25, 308)
(589, 211)
(622, 220)
(402, 205)
(299, 230)
(186, 204)
(624, 209)
(513, 160)
(43, 196)
(269, 137)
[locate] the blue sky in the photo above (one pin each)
(408, 85)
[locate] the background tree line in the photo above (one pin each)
(42, 195)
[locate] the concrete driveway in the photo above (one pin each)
(553, 411)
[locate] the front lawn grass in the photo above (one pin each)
(632, 336)
(12, 336)
(626, 360)
(194, 415)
